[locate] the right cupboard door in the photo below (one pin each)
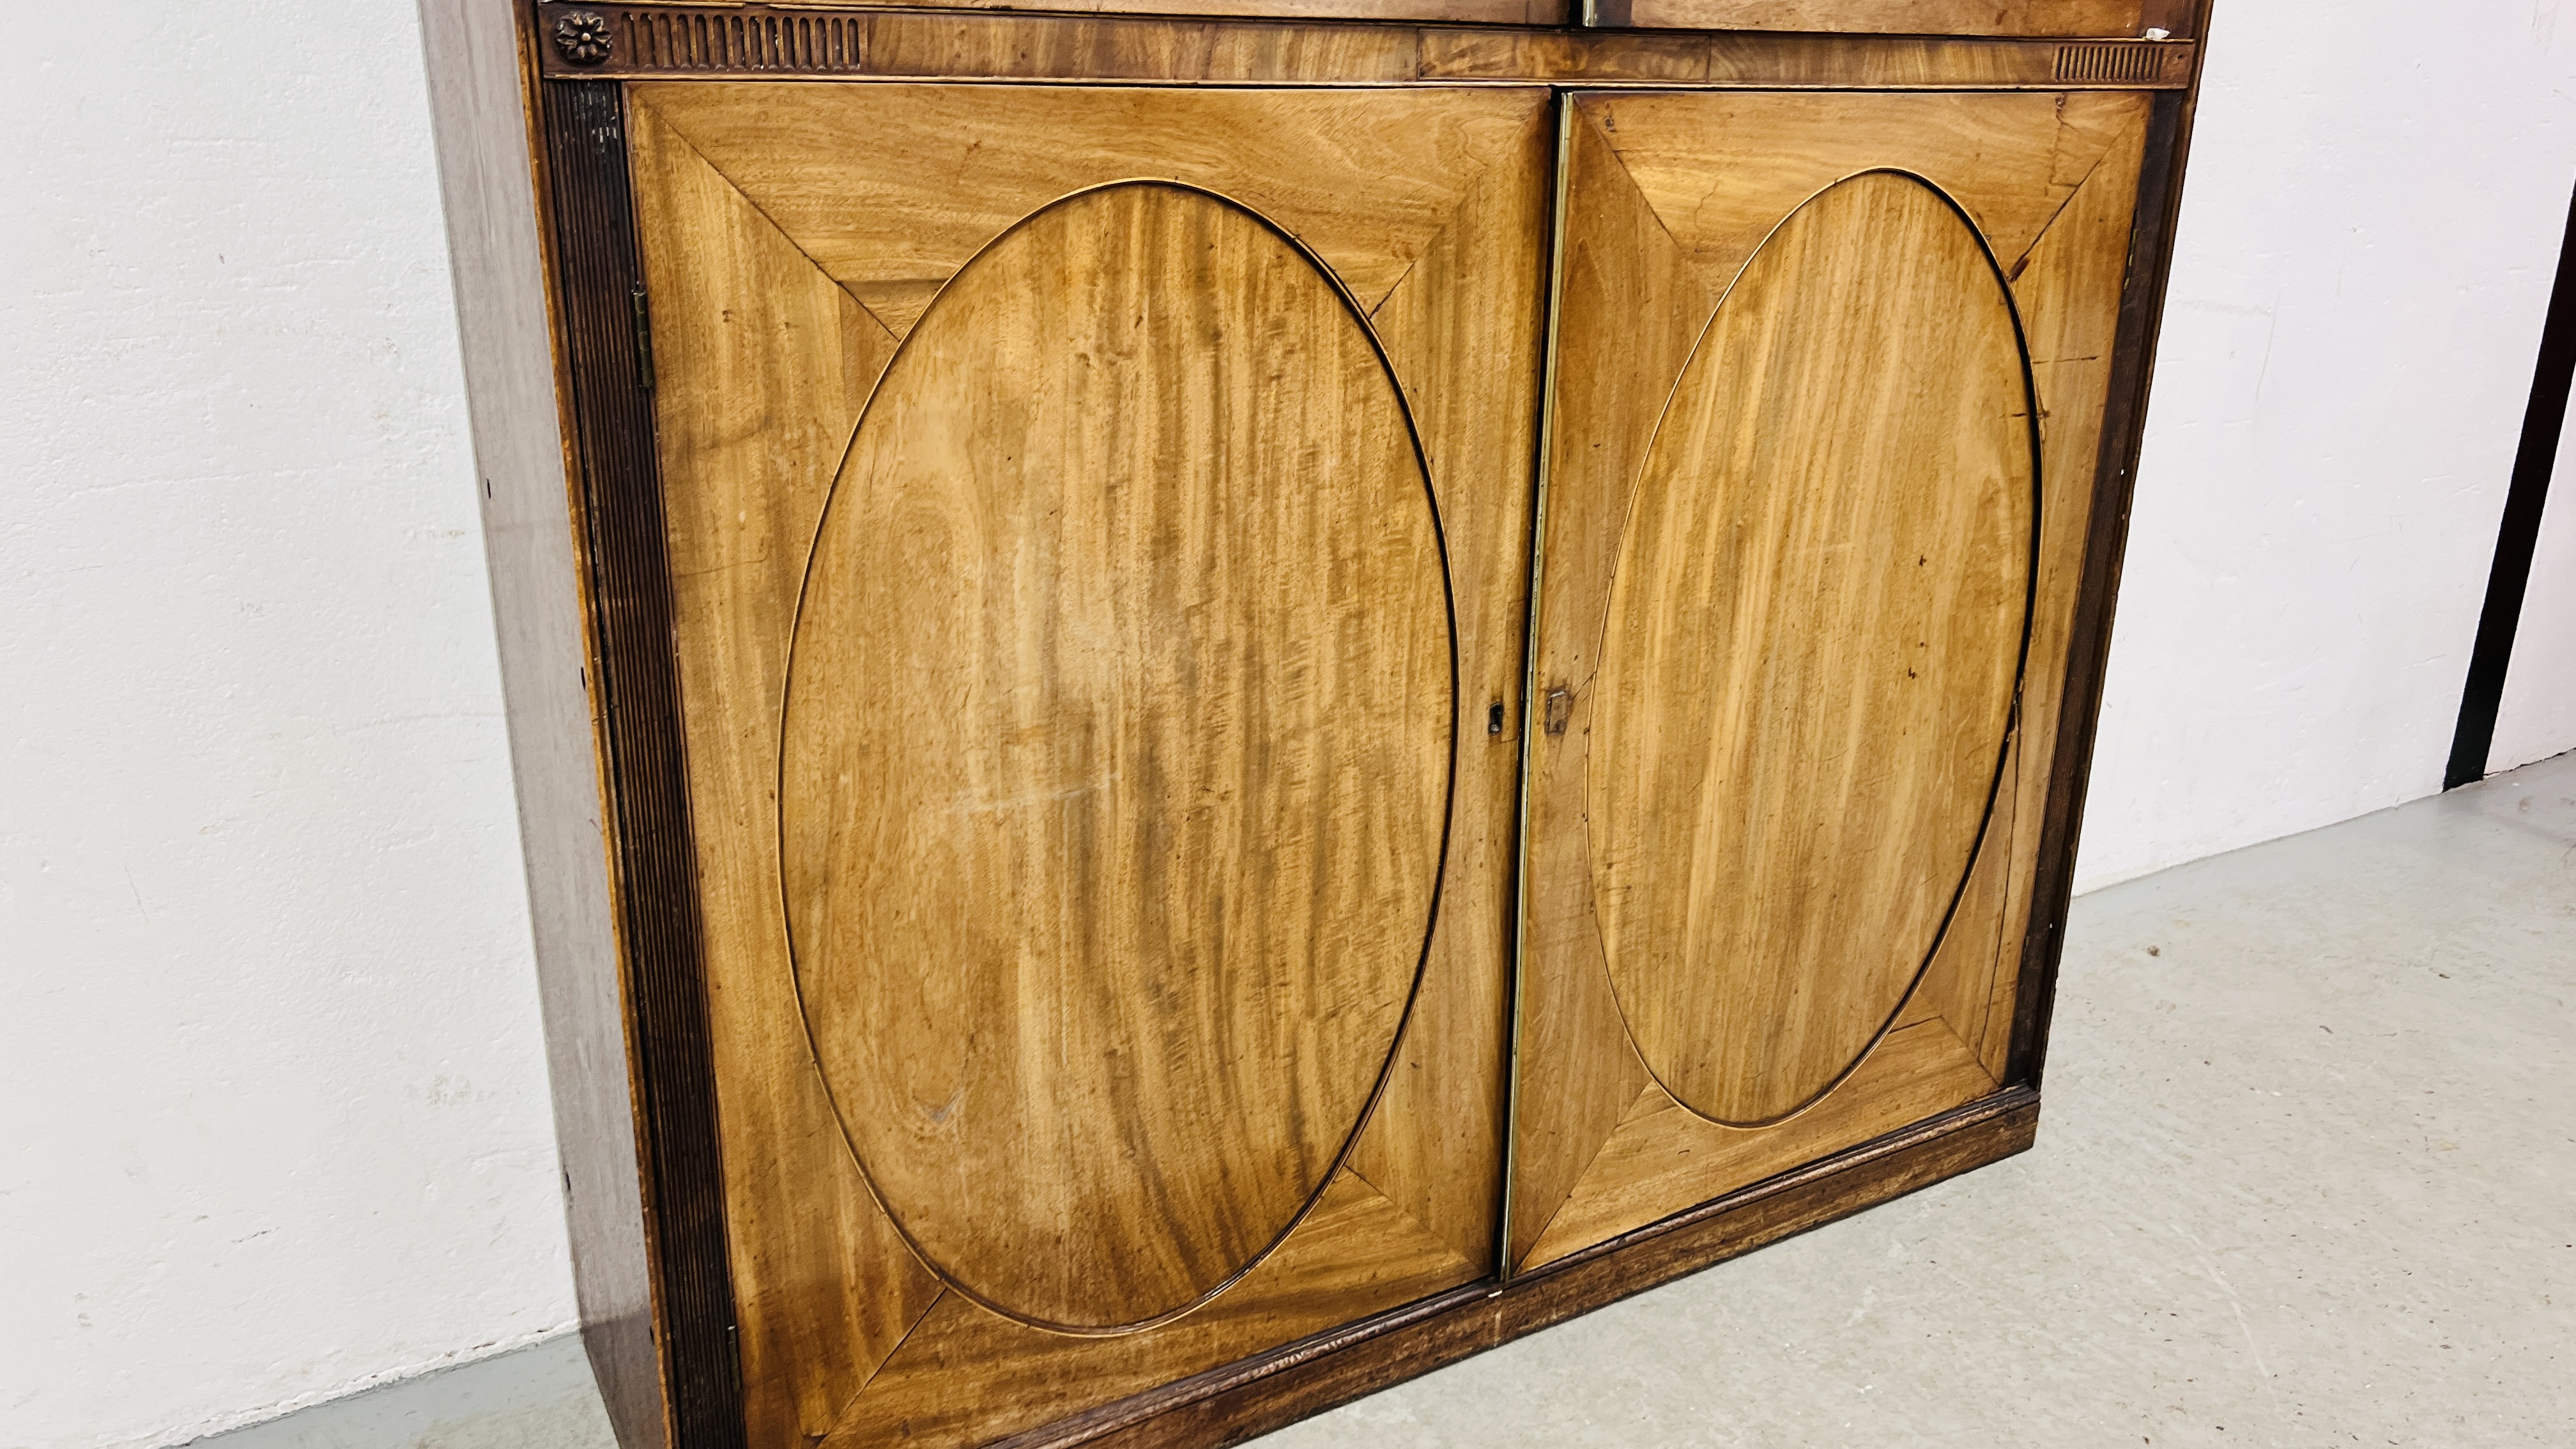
(1826, 399)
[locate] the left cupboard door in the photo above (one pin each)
(1097, 525)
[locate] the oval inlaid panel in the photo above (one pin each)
(1812, 651)
(1116, 756)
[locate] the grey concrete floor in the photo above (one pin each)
(2306, 1175)
(534, 1398)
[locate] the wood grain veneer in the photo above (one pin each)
(1082, 1197)
(1113, 816)
(1670, 199)
(2068, 18)
(1811, 647)
(788, 265)
(1229, 1405)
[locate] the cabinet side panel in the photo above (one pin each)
(479, 106)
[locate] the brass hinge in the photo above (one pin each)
(643, 339)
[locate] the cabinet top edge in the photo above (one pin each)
(665, 40)
(1960, 19)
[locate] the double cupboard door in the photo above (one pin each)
(1295, 700)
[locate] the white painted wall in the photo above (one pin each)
(2538, 717)
(2375, 202)
(275, 1097)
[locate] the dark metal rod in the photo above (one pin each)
(2542, 423)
